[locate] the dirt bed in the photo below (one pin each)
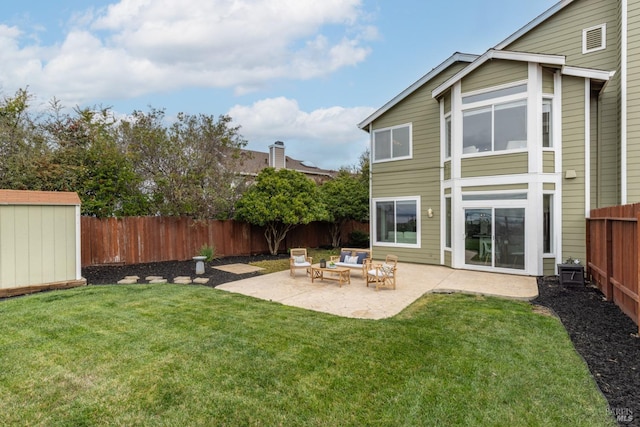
(110, 274)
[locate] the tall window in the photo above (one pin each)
(447, 136)
(495, 128)
(447, 233)
(547, 226)
(397, 221)
(547, 128)
(392, 143)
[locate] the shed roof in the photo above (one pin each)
(25, 197)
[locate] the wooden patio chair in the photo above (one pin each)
(299, 259)
(383, 275)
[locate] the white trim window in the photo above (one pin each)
(495, 119)
(397, 221)
(547, 224)
(547, 123)
(447, 135)
(392, 143)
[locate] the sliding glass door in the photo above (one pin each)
(494, 237)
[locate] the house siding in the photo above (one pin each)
(493, 73)
(547, 81)
(420, 175)
(561, 34)
(548, 162)
(573, 197)
(505, 164)
(507, 187)
(549, 266)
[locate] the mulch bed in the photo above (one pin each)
(604, 336)
(606, 339)
(110, 274)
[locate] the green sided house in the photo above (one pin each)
(492, 162)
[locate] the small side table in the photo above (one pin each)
(571, 274)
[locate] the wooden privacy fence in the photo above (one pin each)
(135, 240)
(612, 255)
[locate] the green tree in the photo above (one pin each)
(346, 198)
(279, 201)
(87, 159)
(190, 167)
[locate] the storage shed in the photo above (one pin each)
(39, 241)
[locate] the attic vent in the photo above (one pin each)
(594, 38)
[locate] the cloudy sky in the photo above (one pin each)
(305, 72)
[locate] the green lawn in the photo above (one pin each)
(188, 355)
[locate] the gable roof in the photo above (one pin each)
(534, 23)
(456, 57)
(556, 60)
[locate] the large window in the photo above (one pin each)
(495, 128)
(392, 143)
(397, 221)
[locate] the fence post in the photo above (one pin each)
(608, 231)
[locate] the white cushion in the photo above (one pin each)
(301, 264)
(351, 259)
(299, 259)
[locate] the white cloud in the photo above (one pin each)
(328, 137)
(135, 47)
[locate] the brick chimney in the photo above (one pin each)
(277, 158)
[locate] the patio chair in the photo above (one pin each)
(383, 274)
(299, 259)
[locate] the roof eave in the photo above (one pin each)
(556, 60)
(456, 57)
(534, 23)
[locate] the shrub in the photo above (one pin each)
(359, 239)
(208, 251)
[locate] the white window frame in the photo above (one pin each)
(392, 158)
(603, 30)
(447, 132)
(491, 106)
(374, 215)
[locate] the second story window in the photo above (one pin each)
(495, 127)
(392, 143)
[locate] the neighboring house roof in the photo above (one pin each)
(254, 161)
(456, 57)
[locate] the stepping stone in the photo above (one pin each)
(126, 281)
(158, 280)
(182, 280)
(201, 280)
(150, 278)
(132, 277)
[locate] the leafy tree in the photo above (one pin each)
(279, 201)
(190, 167)
(346, 198)
(87, 159)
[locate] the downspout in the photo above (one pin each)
(623, 103)
(371, 207)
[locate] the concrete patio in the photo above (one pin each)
(358, 301)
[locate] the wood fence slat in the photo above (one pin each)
(613, 251)
(135, 240)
